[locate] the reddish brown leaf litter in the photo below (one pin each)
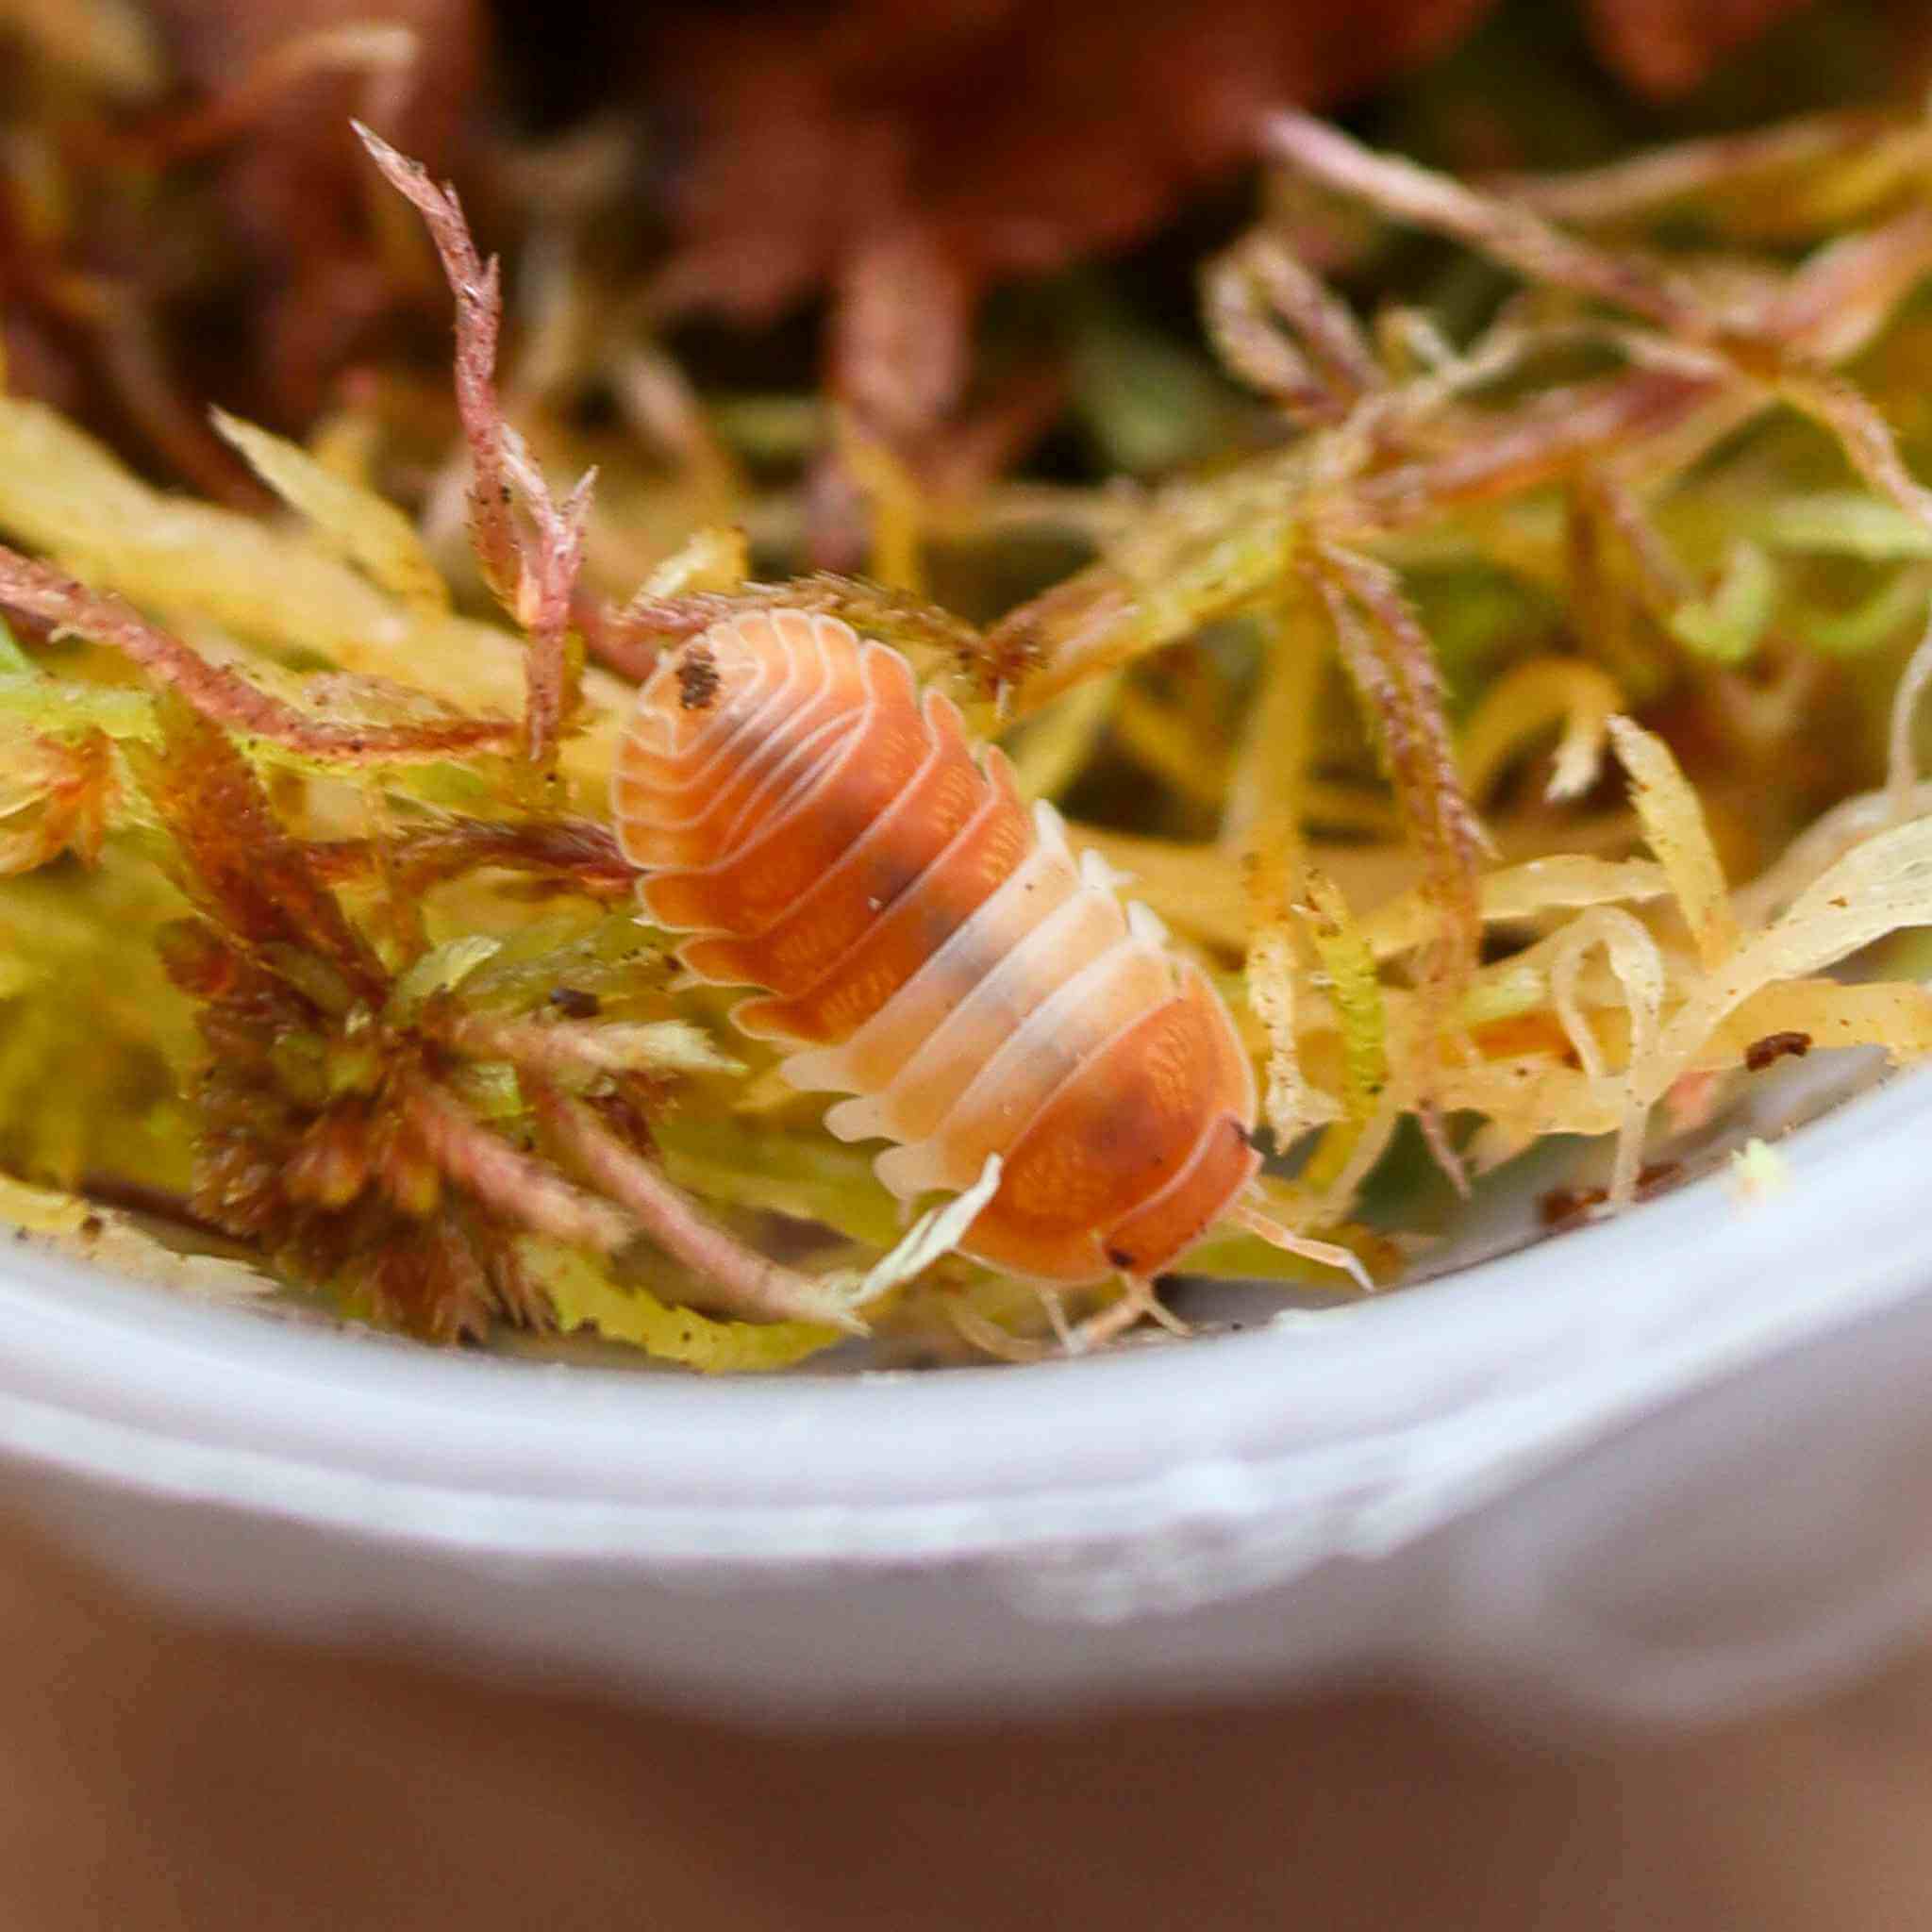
(832, 147)
(905, 159)
(1667, 47)
(291, 189)
(1566, 1207)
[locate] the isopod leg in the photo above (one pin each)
(1138, 1301)
(990, 1338)
(1257, 1219)
(1054, 1302)
(1073, 1338)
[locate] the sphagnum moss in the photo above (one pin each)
(444, 1072)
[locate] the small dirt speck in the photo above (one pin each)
(1776, 1046)
(697, 679)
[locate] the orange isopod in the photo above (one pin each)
(932, 948)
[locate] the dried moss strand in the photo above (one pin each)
(575, 852)
(1866, 438)
(630, 636)
(243, 865)
(1388, 658)
(1542, 442)
(534, 579)
(1629, 189)
(1838, 300)
(746, 1283)
(1319, 370)
(1508, 232)
(514, 1183)
(477, 289)
(544, 604)
(37, 590)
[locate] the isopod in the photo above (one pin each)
(930, 947)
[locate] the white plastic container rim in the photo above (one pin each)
(1676, 1465)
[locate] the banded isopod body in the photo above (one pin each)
(932, 948)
